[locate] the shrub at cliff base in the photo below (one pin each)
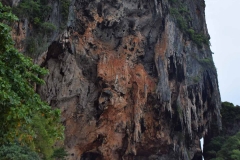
(226, 145)
(17, 152)
(230, 150)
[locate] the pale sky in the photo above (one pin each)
(223, 22)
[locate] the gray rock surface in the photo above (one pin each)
(129, 82)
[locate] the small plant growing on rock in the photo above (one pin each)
(196, 79)
(182, 16)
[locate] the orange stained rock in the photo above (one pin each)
(161, 46)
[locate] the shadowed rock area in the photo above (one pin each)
(130, 83)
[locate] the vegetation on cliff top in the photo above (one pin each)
(25, 119)
(181, 13)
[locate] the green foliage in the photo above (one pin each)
(235, 154)
(48, 27)
(36, 11)
(179, 111)
(182, 16)
(64, 9)
(174, 11)
(214, 146)
(207, 63)
(35, 45)
(24, 116)
(31, 45)
(230, 150)
(46, 135)
(221, 148)
(196, 79)
(17, 152)
(230, 113)
(172, 1)
(225, 146)
(59, 153)
(5, 37)
(199, 39)
(183, 10)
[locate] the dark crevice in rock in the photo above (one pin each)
(180, 71)
(88, 67)
(91, 156)
(99, 9)
(54, 50)
(121, 151)
(190, 93)
(171, 69)
(82, 4)
(176, 118)
(198, 156)
(81, 26)
(88, 15)
(62, 72)
(143, 127)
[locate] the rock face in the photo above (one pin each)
(130, 84)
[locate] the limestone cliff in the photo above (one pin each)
(134, 79)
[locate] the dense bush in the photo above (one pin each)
(230, 113)
(225, 145)
(25, 118)
(59, 153)
(17, 152)
(230, 150)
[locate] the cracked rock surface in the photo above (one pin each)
(129, 83)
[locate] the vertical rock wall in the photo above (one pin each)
(129, 83)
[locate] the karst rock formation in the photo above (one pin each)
(132, 83)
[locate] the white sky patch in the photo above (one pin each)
(223, 22)
(201, 142)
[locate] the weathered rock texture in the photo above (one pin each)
(129, 83)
